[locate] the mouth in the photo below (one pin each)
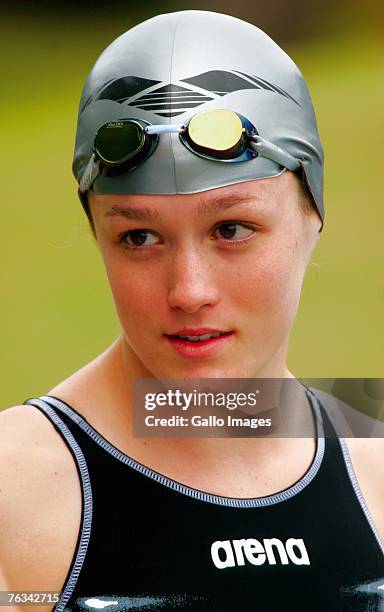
(198, 346)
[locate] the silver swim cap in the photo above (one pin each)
(172, 66)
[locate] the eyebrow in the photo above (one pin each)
(144, 213)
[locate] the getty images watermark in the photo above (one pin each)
(206, 407)
(184, 401)
(256, 407)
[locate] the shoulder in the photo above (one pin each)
(367, 456)
(29, 441)
(364, 439)
(40, 500)
(367, 459)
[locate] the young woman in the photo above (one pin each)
(200, 170)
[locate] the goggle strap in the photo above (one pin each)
(90, 173)
(274, 153)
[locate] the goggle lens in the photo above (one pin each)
(217, 130)
(118, 141)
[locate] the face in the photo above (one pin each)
(230, 259)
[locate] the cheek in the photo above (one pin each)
(268, 284)
(135, 294)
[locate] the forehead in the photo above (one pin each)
(261, 193)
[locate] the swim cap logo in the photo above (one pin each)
(229, 553)
(172, 99)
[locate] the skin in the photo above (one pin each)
(190, 277)
(249, 283)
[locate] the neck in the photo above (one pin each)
(209, 450)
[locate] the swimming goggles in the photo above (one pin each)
(220, 135)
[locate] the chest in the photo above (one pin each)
(224, 558)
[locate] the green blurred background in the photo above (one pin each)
(57, 311)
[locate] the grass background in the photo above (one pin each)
(56, 309)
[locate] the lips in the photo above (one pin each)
(200, 338)
(196, 331)
(196, 335)
(198, 348)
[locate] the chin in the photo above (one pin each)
(206, 370)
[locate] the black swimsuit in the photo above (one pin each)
(148, 543)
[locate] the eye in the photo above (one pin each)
(137, 238)
(229, 230)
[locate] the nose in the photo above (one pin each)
(191, 280)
